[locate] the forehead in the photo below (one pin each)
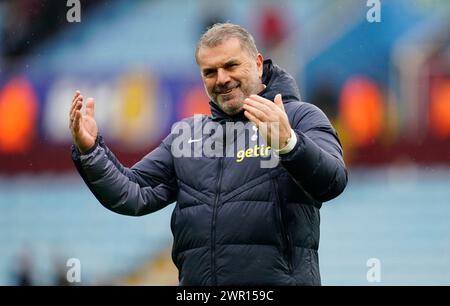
(229, 49)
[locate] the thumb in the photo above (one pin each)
(278, 101)
(90, 107)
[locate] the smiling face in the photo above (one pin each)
(230, 74)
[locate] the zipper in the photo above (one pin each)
(213, 225)
(287, 247)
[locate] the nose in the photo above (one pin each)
(222, 77)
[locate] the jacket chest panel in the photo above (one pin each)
(203, 173)
(215, 157)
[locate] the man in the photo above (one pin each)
(235, 222)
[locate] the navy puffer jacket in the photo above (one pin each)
(235, 222)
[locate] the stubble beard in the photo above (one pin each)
(234, 105)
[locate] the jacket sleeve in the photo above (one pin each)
(316, 163)
(144, 188)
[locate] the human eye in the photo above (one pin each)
(208, 73)
(231, 65)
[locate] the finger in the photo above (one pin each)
(76, 121)
(76, 110)
(257, 104)
(252, 118)
(77, 93)
(77, 106)
(279, 101)
(76, 97)
(256, 112)
(262, 100)
(90, 107)
(71, 123)
(74, 103)
(264, 114)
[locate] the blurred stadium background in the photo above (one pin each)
(385, 85)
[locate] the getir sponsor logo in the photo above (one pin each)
(256, 151)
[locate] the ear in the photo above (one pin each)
(260, 64)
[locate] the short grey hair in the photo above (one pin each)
(220, 32)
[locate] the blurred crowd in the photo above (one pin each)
(384, 86)
(27, 23)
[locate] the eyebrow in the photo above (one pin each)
(231, 62)
(227, 64)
